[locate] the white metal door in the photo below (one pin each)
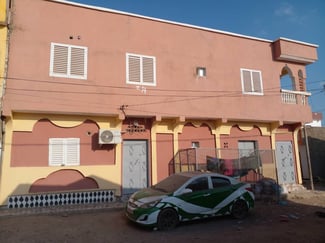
(135, 165)
(285, 163)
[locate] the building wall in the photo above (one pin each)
(200, 133)
(4, 8)
(316, 143)
(31, 148)
(182, 108)
(25, 169)
(165, 154)
(3, 40)
(218, 95)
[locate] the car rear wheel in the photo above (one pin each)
(167, 219)
(239, 209)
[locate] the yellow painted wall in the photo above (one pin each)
(17, 180)
(3, 41)
(3, 10)
(3, 53)
(175, 127)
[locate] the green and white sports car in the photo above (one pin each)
(188, 196)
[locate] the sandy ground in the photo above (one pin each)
(298, 218)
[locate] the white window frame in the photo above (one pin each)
(68, 74)
(64, 151)
(141, 82)
(251, 71)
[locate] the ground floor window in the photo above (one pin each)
(64, 151)
(246, 148)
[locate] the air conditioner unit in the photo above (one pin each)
(109, 136)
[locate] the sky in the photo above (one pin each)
(301, 20)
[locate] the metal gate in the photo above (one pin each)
(135, 165)
(285, 163)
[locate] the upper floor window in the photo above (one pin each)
(64, 151)
(68, 61)
(251, 81)
(140, 69)
(201, 72)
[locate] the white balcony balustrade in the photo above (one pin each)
(294, 97)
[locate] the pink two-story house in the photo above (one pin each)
(102, 101)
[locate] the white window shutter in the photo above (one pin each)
(68, 61)
(257, 82)
(56, 152)
(148, 70)
(140, 69)
(64, 151)
(247, 81)
(60, 59)
(252, 82)
(134, 69)
(77, 66)
(73, 151)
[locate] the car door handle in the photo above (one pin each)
(206, 195)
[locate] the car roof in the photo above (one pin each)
(191, 174)
(196, 173)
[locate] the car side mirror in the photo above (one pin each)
(186, 190)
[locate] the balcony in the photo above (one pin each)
(294, 51)
(294, 97)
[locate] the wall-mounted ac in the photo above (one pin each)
(109, 136)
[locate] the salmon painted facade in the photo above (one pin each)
(100, 99)
(4, 6)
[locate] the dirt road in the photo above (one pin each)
(298, 219)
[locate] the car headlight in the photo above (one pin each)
(150, 204)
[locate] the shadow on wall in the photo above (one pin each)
(64, 180)
(317, 157)
(63, 187)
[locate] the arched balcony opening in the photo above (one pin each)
(290, 92)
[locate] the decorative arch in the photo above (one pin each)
(198, 124)
(247, 128)
(287, 79)
(63, 180)
(193, 131)
(31, 148)
(64, 125)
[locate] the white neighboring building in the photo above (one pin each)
(317, 120)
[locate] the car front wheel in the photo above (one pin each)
(167, 219)
(239, 209)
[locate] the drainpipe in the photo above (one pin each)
(308, 159)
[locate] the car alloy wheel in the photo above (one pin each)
(239, 209)
(167, 219)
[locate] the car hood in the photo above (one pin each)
(148, 195)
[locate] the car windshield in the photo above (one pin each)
(171, 183)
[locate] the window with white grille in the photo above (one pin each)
(251, 81)
(68, 61)
(64, 151)
(140, 69)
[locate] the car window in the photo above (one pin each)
(171, 183)
(199, 184)
(218, 182)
